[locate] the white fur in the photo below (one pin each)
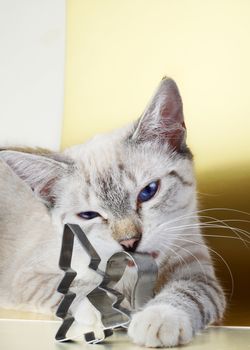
(160, 326)
(31, 235)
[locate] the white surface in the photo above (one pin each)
(32, 52)
(39, 335)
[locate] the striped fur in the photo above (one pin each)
(106, 175)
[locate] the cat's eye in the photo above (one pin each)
(88, 215)
(148, 192)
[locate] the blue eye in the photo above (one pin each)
(88, 215)
(148, 192)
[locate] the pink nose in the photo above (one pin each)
(130, 244)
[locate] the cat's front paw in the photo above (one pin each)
(88, 318)
(160, 326)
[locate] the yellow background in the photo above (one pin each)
(118, 51)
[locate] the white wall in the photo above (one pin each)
(32, 52)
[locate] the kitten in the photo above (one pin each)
(132, 189)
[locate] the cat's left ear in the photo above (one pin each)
(163, 119)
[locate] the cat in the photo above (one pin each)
(131, 189)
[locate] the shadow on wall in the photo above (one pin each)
(229, 188)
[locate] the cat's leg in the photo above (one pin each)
(36, 291)
(87, 317)
(181, 308)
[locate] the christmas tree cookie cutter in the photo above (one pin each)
(113, 315)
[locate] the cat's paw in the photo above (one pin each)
(160, 326)
(88, 318)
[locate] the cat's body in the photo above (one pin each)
(133, 189)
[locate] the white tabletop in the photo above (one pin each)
(39, 335)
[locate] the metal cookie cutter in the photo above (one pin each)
(112, 313)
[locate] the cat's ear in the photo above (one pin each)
(163, 119)
(40, 172)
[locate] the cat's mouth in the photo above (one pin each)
(154, 255)
(131, 245)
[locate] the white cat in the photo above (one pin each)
(131, 189)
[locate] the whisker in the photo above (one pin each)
(209, 224)
(213, 236)
(180, 259)
(224, 261)
(236, 230)
(189, 253)
(198, 261)
(202, 216)
(208, 194)
(233, 229)
(224, 209)
(190, 215)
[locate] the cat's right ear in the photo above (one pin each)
(40, 172)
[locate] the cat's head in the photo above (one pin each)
(126, 188)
